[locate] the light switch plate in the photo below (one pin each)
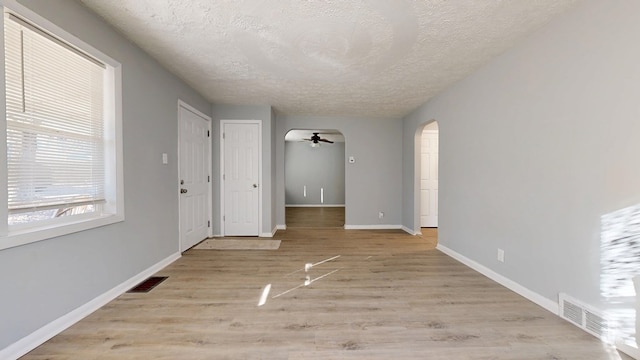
(165, 158)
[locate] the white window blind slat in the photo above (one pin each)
(34, 28)
(55, 125)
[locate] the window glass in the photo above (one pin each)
(55, 126)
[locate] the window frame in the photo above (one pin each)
(113, 208)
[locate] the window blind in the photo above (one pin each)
(55, 126)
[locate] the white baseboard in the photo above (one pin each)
(314, 205)
(271, 234)
(550, 305)
(281, 227)
(40, 336)
(411, 232)
(628, 348)
(372, 227)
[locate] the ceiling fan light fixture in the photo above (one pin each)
(316, 139)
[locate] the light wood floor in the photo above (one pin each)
(297, 217)
(387, 296)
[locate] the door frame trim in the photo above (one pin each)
(429, 132)
(186, 106)
(417, 171)
(222, 188)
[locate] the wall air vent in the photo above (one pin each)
(572, 312)
(595, 324)
(583, 316)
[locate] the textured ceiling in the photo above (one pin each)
(380, 58)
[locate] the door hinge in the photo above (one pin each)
(224, 218)
(208, 223)
(208, 134)
(208, 178)
(224, 177)
(223, 135)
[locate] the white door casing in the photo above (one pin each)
(429, 179)
(194, 154)
(241, 164)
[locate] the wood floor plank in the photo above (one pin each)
(366, 295)
(297, 217)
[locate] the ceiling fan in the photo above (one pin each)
(315, 140)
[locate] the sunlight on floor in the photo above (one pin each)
(305, 282)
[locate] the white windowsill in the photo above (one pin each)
(31, 235)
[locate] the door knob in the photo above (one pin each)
(255, 186)
(183, 191)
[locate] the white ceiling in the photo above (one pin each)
(375, 58)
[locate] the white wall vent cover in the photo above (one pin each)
(595, 324)
(583, 316)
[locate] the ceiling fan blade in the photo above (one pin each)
(327, 141)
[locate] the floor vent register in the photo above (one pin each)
(148, 284)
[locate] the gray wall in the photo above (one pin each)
(373, 183)
(538, 145)
(246, 112)
(42, 281)
(315, 168)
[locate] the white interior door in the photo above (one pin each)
(429, 179)
(241, 178)
(194, 152)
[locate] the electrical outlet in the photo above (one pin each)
(380, 215)
(500, 255)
